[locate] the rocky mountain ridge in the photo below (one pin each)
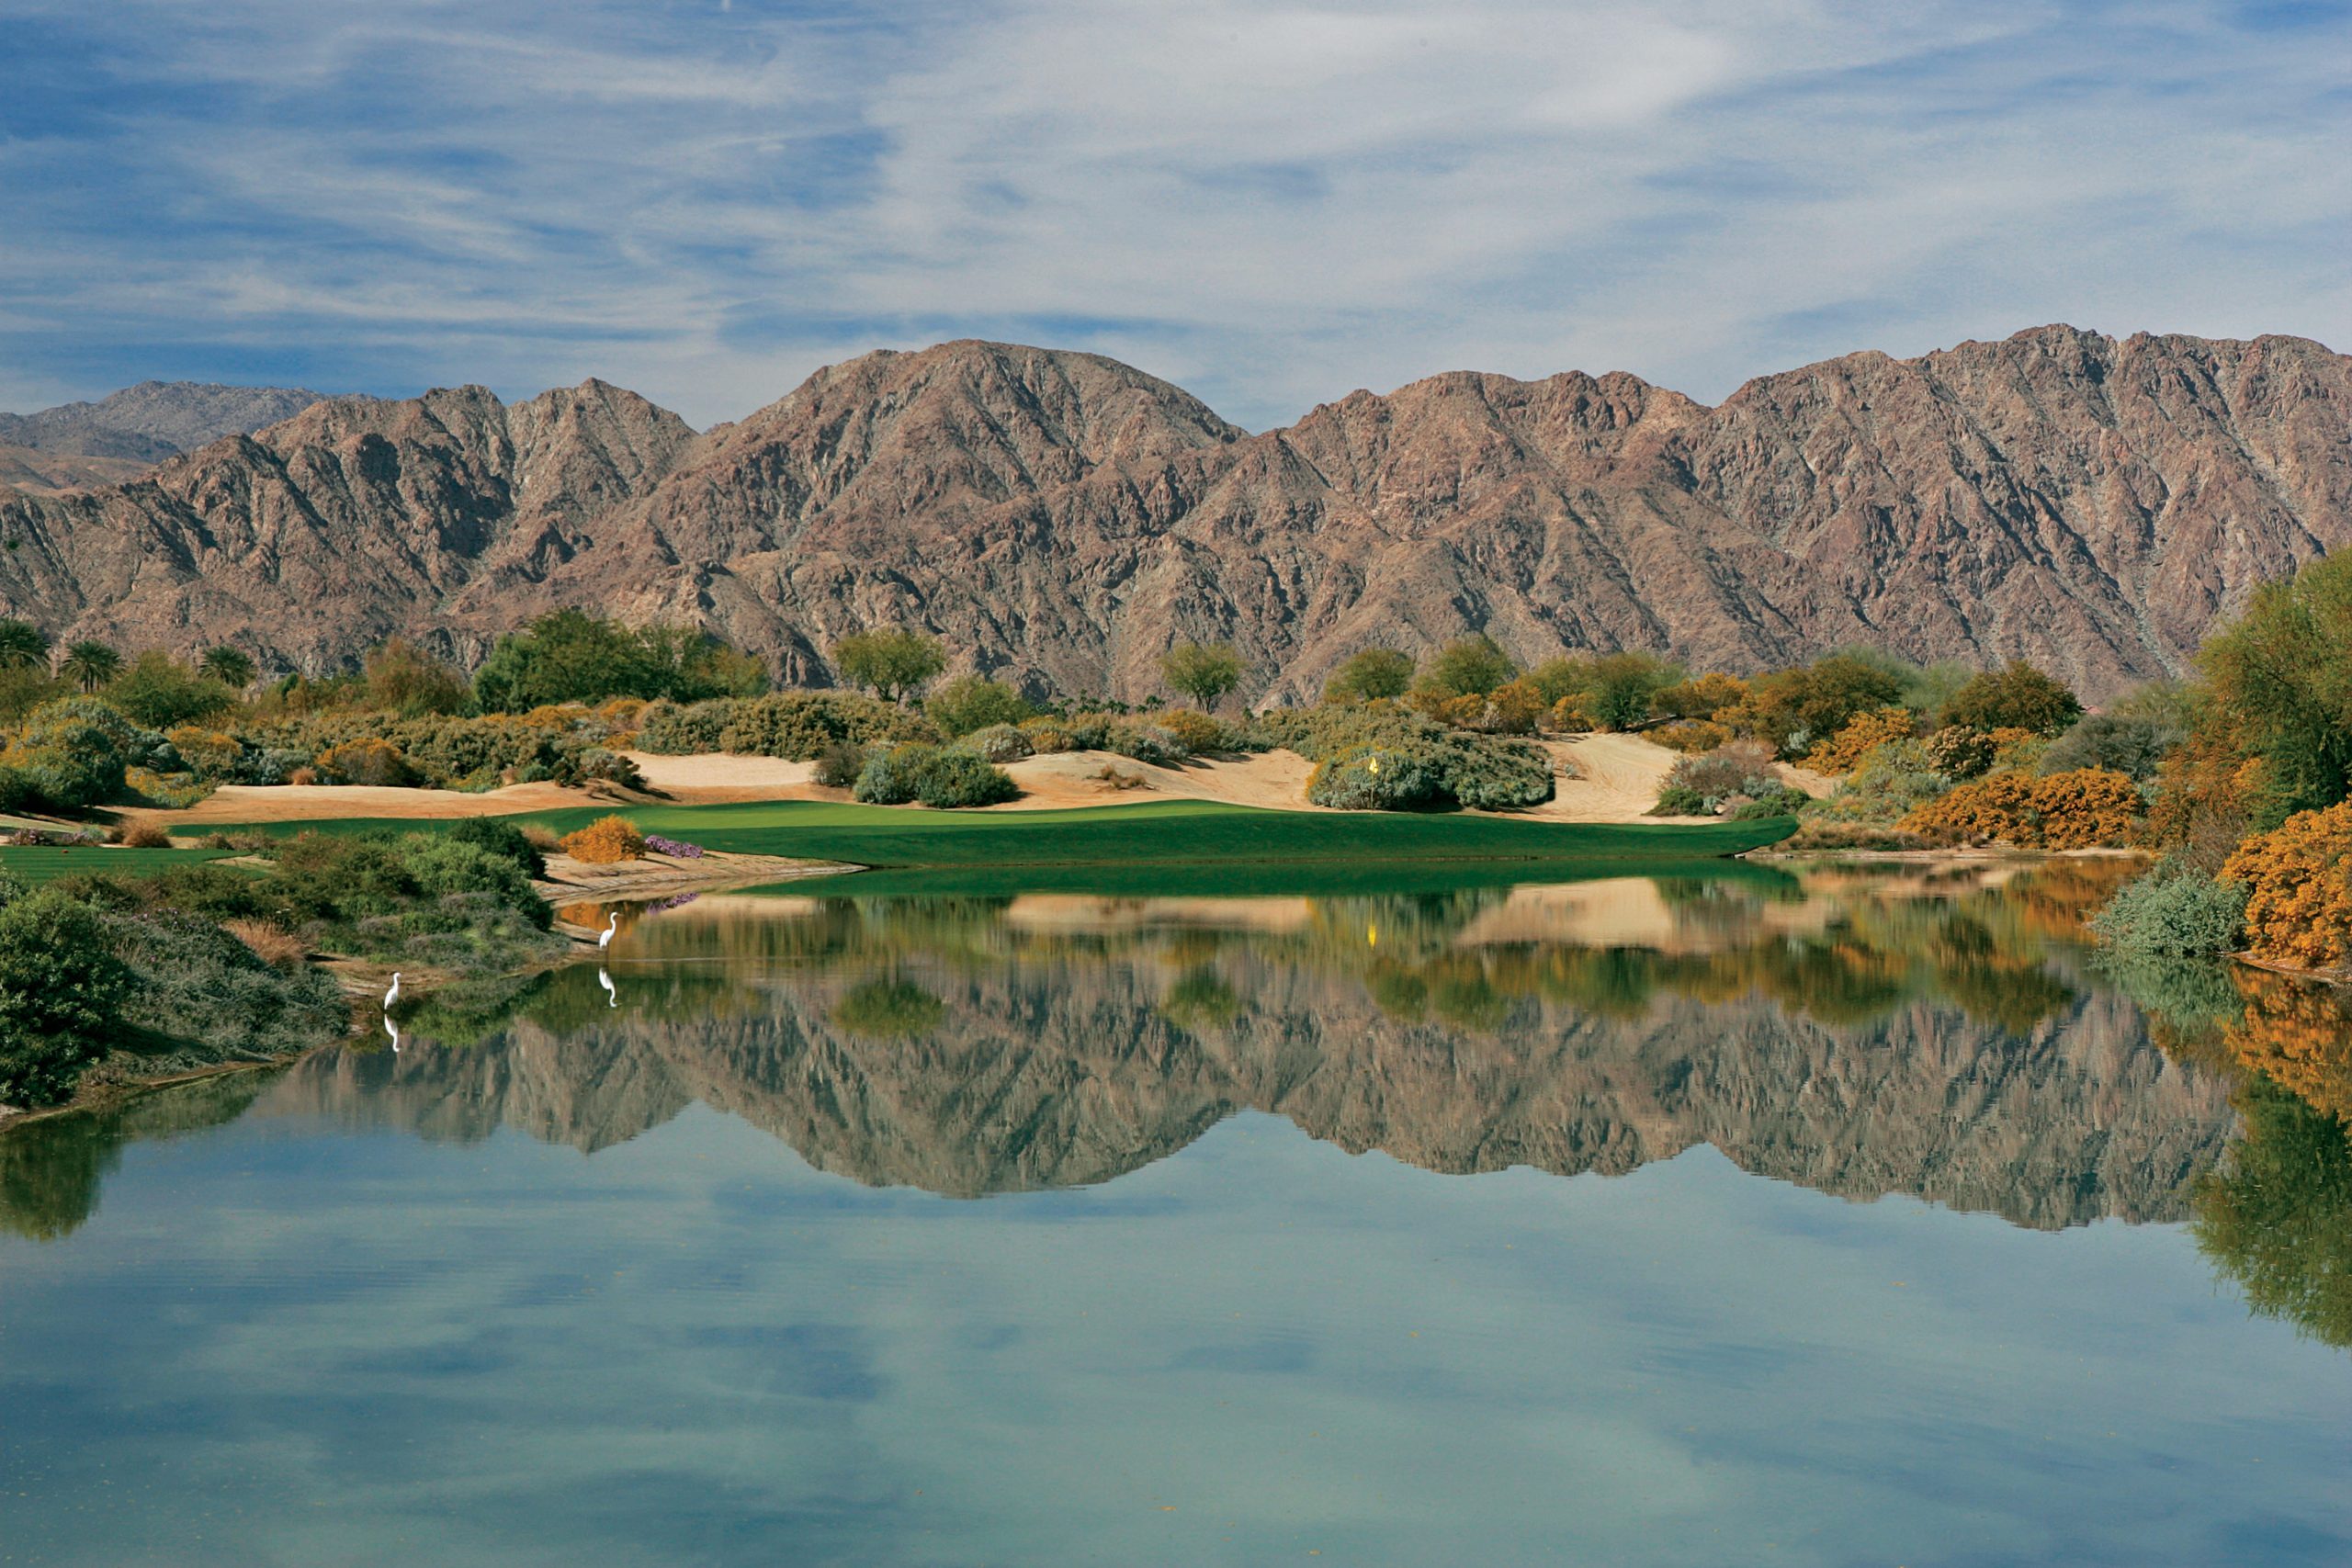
(1058, 518)
(123, 434)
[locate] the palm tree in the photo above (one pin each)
(23, 646)
(228, 666)
(90, 665)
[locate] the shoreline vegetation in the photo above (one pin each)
(199, 935)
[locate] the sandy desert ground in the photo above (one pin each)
(1617, 780)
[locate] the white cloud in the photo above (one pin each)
(1273, 203)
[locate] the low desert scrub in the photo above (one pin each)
(270, 942)
(605, 842)
(142, 833)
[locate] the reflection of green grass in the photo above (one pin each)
(1268, 879)
(46, 863)
(1171, 833)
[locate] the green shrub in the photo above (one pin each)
(1372, 778)
(957, 778)
(1898, 777)
(440, 864)
(2173, 912)
(1483, 772)
(799, 726)
(367, 760)
(1738, 768)
(1679, 800)
(998, 743)
(497, 836)
(1780, 801)
(1147, 743)
(839, 766)
(2133, 747)
(196, 983)
(68, 765)
(974, 702)
(940, 777)
(157, 693)
(892, 777)
(62, 993)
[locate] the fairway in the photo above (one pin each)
(1179, 834)
(47, 863)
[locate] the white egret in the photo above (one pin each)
(394, 994)
(605, 941)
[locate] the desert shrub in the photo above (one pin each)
(270, 942)
(1677, 800)
(170, 791)
(402, 678)
(212, 755)
(68, 765)
(1370, 778)
(441, 864)
(1960, 753)
(943, 778)
(2171, 911)
(1689, 735)
(570, 656)
(894, 660)
(1894, 779)
(367, 760)
(839, 764)
(1203, 672)
(2017, 747)
(1741, 768)
(2063, 811)
(956, 777)
(998, 743)
(1790, 709)
(143, 834)
(1843, 751)
(892, 777)
(2298, 881)
(496, 835)
(2132, 747)
(799, 726)
(157, 693)
(601, 763)
(1829, 833)
(1702, 697)
(1372, 673)
(1470, 667)
(195, 982)
(974, 702)
(1147, 743)
(1611, 690)
(1781, 801)
(1485, 772)
(604, 841)
(675, 729)
(1196, 731)
(1046, 735)
(675, 848)
(17, 790)
(62, 994)
(2016, 698)
(2279, 682)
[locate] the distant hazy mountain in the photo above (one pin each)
(2091, 503)
(121, 436)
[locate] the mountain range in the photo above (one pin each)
(78, 446)
(2091, 503)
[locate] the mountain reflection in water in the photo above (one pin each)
(1933, 1031)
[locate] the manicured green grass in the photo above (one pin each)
(1182, 835)
(49, 862)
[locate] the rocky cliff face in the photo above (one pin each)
(1053, 1075)
(2090, 503)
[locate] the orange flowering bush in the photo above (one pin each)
(605, 840)
(2078, 810)
(1843, 751)
(2299, 889)
(1689, 735)
(367, 760)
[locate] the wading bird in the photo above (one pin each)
(605, 941)
(394, 994)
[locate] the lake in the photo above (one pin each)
(1842, 1215)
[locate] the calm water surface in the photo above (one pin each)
(1837, 1219)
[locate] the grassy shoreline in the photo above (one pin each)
(1176, 833)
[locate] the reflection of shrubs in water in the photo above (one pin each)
(2278, 1218)
(51, 1169)
(2194, 995)
(889, 1010)
(1200, 999)
(1399, 993)
(2300, 1036)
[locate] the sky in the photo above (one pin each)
(1269, 203)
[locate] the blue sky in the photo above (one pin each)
(1268, 202)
